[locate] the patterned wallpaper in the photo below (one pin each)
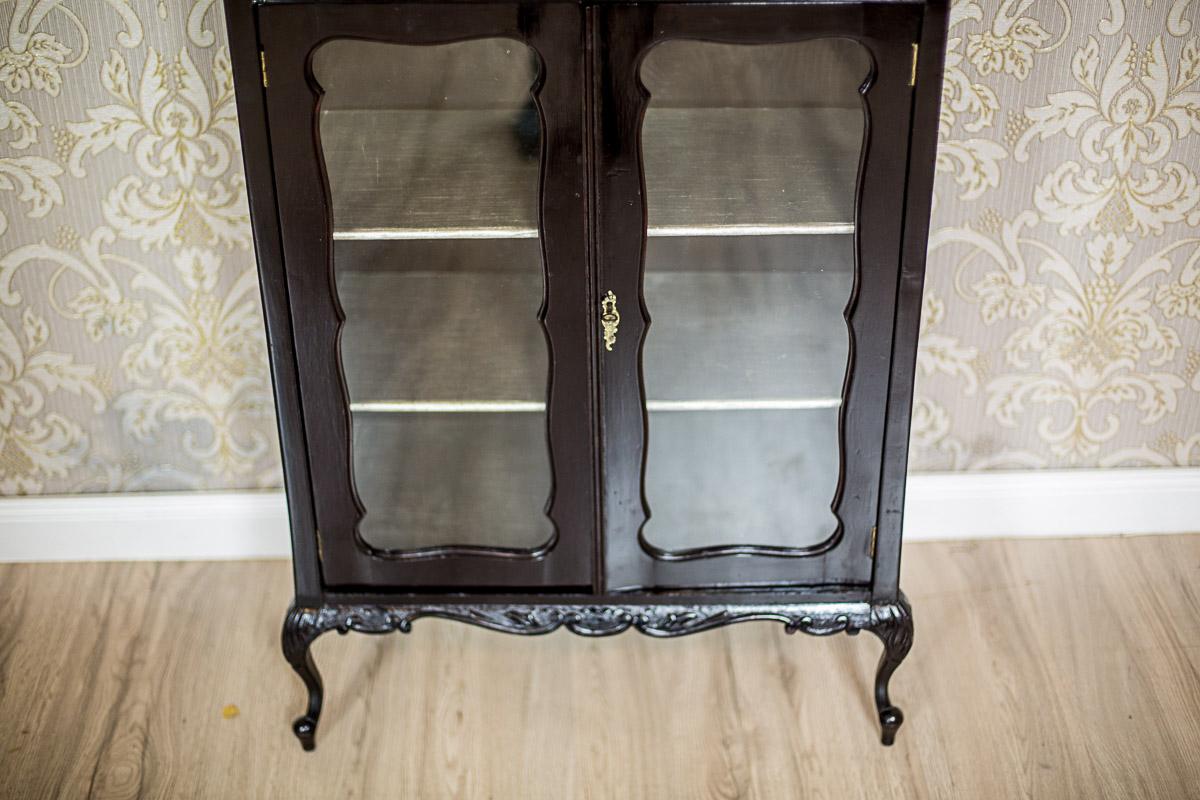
(1062, 308)
(1062, 317)
(131, 345)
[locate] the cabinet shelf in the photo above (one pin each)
(419, 174)
(530, 406)
(456, 341)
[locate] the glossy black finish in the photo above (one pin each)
(885, 578)
(299, 632)
(268, 245)
(598, 578)
(891, 622)
(555, 32)
(627, 32)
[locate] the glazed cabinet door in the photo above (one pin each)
(750, 195)
(428, 161)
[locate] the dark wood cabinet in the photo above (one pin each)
(592, 315)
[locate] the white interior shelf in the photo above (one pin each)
(518, 406)
(470, 342)
(419, 174)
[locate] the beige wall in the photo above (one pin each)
(1062, 322)
(131, 345)
(1062, 317)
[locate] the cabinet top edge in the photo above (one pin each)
(263, 3)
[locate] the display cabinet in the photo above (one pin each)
(592, 315)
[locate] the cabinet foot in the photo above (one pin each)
(894, 626)
(299, 632)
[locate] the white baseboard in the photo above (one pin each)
(1045, 503)
(226, 525)
(141, 527)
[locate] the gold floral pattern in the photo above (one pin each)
(1070, 262)
(1126, 120)
(177, 129)
(34, 181)
(941, 352)
(197, 32)
(202, 362)
(37, 66)
(18, 118)
(1181, 297)
(1179, 18)
(1097, 344)
(972, 106)
(1009, 44)
(35, 442)
(132, 355)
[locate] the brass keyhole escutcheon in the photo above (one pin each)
(610, 318)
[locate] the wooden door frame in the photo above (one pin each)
(628, 31)
(289, 34)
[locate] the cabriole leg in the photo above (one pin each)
(893, 625)
(300, 630)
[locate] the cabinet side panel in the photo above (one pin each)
(922, 151)
(264, 215)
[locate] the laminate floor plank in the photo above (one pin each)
(1041, 669)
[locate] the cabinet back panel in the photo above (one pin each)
(758, 349)
(435, 358)
(473, 75)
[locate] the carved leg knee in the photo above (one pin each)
(300, 629)
(893, 625)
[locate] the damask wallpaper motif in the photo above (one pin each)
(131, 344)
(1062, 314)
(1062, 306)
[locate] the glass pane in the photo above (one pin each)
(432, 157)
(751, 158)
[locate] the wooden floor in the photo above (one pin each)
(1044, 669)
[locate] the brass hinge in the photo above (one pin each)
(874, 531)
(912, 79)
(321, 550)
(262, 60)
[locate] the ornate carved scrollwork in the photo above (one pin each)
(891, 622)
(300, 628)
(585, 620)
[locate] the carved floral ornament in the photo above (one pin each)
(819, 619)
(891, 622)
